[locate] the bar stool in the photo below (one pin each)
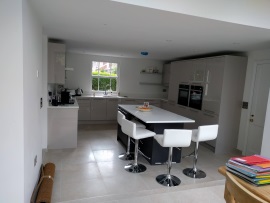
(172, 138)
(129, 128)
(204, 133)
(127, 155)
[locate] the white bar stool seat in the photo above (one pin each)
(172, 138)
(127, 155)
(129, 128)
(204, 133)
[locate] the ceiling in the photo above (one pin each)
(101, 27)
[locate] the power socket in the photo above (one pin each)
(35, 160)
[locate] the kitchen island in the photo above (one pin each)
(155, 120)
(62, 126)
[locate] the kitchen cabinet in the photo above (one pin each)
(98, 109)
(198, 71)
(166, 74)
(112, 108)
(56, 63)
(84, 109)
(223, 79)
(214, 78)
(62, 127)
(209, 119)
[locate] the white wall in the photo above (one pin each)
(265, 151)
(250, 74)
(32, 92)
(11, 103)
(44, 112)
(129, 76)
(20, 114)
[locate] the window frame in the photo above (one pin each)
(109, 77)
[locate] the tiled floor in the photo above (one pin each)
(93, 173)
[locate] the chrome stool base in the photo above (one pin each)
(135, 168)
(192, 174)
(126, 157)
(168, 180)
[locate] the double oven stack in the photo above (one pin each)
(190, 96)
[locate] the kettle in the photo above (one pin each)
(78, 92)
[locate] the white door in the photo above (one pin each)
(258, 108)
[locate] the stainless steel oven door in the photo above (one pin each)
(183, 94)
(195, 98)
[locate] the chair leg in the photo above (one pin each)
(126, 156)
(194, 172)
(135, 167)
(168, 179)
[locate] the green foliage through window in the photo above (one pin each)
(104, 76)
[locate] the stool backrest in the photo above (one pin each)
(128, 127)
(177, 138)
(238, 193)
(120, 117)
(206, 132)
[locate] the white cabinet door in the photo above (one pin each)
(84, 109)
(166, 74)
(185, 72)
(129, 101)
(112, 108)
(56, 63)
(193, 114)
(198, 67)
(214, 78)
(98, 109)
(209, 119)
(174, 82)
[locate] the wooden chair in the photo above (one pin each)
(236, 193)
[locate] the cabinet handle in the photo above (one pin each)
(208, 111)
(207, 76)
(206, 90)
(194, 111)
(209, 115)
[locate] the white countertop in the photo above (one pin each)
(66, 106)
(156, 115)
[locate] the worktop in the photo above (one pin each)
(156, 115)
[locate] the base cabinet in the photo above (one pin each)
(62, 128)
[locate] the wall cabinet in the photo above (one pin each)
(56, 63)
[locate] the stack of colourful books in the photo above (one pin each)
(254, 169)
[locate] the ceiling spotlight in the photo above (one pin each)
(144, 53)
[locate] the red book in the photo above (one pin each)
(251, 160)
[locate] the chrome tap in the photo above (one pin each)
(108, 85)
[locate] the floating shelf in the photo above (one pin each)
(151, 73)
(150, 83)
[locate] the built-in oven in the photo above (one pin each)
(196, 97)
(183, 94)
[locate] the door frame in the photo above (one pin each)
(254, 71)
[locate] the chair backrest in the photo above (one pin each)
(128, 127)
(205, 133)
(177, 138)
(120, 117)
(237, 193)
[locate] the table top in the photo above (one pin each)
(156, 115)
(261, 191)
